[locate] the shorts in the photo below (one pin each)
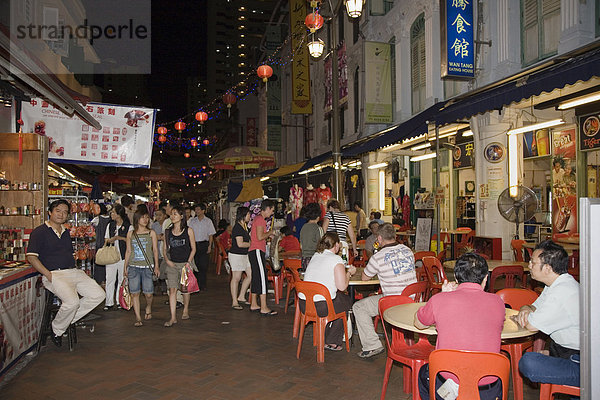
(174, 274)
(140, 278)
(239, 262)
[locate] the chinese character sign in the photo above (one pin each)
(301, 101)
(463, 155)
(251, 132)
(125, 139)
(458, 45)
(378, 88)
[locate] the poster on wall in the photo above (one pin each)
(536, 143)
(495, 182)
(589, 132)
(564, 182)
(125, 139)
(378, 88)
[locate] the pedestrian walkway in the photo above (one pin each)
(219, 353)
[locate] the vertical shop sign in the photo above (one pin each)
(301, 101)
(251, 131)
(457, 39)
(328, 84)
(463, 155)
(589, 132)
(564, 182)
(343, 72)
(274, 93)
(378, 87)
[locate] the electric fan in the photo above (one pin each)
(518, 208)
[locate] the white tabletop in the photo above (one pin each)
(492, 264)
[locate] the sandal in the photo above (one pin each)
(237, 307)
(185, 317)
(271, 313)
(244, 302)
(148, 316)
(138, 323)
(333, 347)
(169, 324)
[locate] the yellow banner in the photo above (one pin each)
(301, 101)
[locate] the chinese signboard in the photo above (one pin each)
(458, 50)
(125, 139)
(273, 36)
(589, 132)
(564, 182)
(378, 87)
(463, 155)
(301, 101)
(251, 132)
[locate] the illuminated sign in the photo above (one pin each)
(458, 45)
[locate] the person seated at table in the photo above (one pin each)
(372, 238)
(466, 318)
(288, 242)
(299, 223)
(327, 267)
(311, 233)
(394, 264)
(376, 216)
(223, 234)
(556, 313)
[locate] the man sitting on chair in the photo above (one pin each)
(466, 318)
(556, 313)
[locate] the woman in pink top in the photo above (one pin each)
(256, 254)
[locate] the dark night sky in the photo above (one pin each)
(178, 48)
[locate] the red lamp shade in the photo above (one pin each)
(186, 155)
(162, 130)
(264, 72)
(201, 116)
(179, 125)
(162, 138)
(229, 99)
(205, 142)
(194, 142)
(313, 21)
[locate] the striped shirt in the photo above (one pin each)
(395, 267)
(338, 223)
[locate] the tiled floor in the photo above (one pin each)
(220, 353)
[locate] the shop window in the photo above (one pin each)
(417, 62)
(453, 88)
(381, 7)
(540, 29)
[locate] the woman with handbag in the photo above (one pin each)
(179, 248)
(142, 243)
(238, 258)
(116, 232)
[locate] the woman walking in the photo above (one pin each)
(116, 232)
(178, 249)
(238, 258)
(141, 262)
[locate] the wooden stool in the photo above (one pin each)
(50, 310)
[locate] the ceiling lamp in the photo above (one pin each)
(377, 166)
(579, 101)
(541, 125)
(354, 7)
(206, 142)
(423, 157)
(313, 21)
(315, 47)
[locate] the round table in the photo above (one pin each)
(492, 264)
(569, 247)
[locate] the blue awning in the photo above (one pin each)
(316, 160)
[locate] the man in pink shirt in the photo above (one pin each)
(466, 318)
(256, 254)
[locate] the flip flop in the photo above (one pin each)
(138, 323)
(244, 302)
(148, 316)
(169, 324)
(185, 317)
(269, 314)
(254, 309)
(333, 347)
(238, 307)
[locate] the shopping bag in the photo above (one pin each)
(108, 254)
(124, 295)
(188, 282)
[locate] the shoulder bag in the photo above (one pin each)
(109, 254)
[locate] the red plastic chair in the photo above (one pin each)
(421, 274)
(469, 367)
(362, 259)
(413, 357)
(435, 274)
(310, 290)
(510, 273)
(221, 256)
(547, 390)
(277, 280)
(465, 241)
(517, 247)
(517, 298)
(292, 266)
(420, 254)
(418, 289)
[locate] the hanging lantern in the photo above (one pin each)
(264, 72)
(186, 155)
(179, 126)
(201, 117)
(354, 7)
(162, 130)
(206, 142)
(313, 21)
(162, 138)
(229, 99)
(315, 47)
(194, 142)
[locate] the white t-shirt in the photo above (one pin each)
(557, 312)
(320, 270)
(395, 267)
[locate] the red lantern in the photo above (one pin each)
(186, 155)
(201, 117)
(264, 72)
(162, 130)
(162, 138)
(179, 125)
(193, 142)
(206, 142)
(229, 99)
(313, 21)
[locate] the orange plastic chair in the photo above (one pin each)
(420, 254)
(418, 289)
(517, 298)
(547, 390)
(277, 280)
(221, 256)
(510, 273)
(421, 274)
(413, 357)
(469, 367)
(310, 290)
(292, 266)
(435, 274)
(517, 246)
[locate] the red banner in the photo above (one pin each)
(251, 132)
(564, 182)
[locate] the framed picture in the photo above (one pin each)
(494, 152)
(469, 187)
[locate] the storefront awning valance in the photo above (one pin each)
(286, 170)
(316, 160)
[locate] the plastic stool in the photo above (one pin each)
(50, 310)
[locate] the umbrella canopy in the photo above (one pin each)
(242, 157)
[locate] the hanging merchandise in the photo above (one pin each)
(324, 193)
(395, 166)
(296, 197)
(354, 186)
(310, 195)
(406, 211)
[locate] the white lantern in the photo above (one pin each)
(315, 47)
(354, 8)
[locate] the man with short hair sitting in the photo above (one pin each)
(466, 318)
(556, 313)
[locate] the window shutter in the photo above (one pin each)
(530, 12)
(550, 6)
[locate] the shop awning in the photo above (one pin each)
(563, 71)
(284, 170)
(316, 160)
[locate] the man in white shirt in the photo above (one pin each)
(203, 231)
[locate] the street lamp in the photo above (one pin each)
(354, 8)
(315, 47)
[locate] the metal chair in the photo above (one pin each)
(50, 310)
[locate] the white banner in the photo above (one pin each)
(378, 87)
(125, 139)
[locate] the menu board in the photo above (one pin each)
(423, 234)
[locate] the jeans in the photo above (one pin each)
(545, 369)
(140, 279)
